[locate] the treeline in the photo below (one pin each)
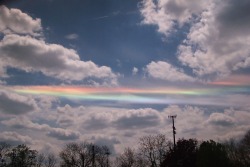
(152, 151)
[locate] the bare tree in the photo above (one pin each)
(127, 158)
(4, 149)
(50, 160)
(85, 155)
(154, 149)
(40, 160)
(76, 155)
(102, 156)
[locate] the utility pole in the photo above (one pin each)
(174, 132)
(93, 155)
(107, 153)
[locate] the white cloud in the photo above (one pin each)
(35, 55)
(89, 123)
(58, 133)
(135, 71)
(165, 71)
(32, 55)
(62, 134)
(212, 47)
(220, 119)
(14, 20)
(218, 40)
(190, 122)
(164, 13)
(15, 138)
(11, 103)
(71, 36)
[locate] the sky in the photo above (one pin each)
(112, 71)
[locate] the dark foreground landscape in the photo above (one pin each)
(152, 151)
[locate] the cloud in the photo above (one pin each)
(214, 48)
(58, 133)
(45, 102)
(20, 49)
(166, 13)
(218, 41)
(62, 134)
(119, 118)
(71, 36)
(135, 71)
(191, 122)
(96, 123)
(14, 20)
(32, 55)
(165, 71)
(15, 138)
(138, 119)
(107, 141)
(220, 119)
(15, 104)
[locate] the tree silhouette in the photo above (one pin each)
(245, 147)
(84, 155)
(213, 154)
(75, 155)
(127, 158)
(184, 154)
(239, 151)
(4, 148)
(22, 156)
(154, 148)
(153, 151)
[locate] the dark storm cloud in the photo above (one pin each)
(15, 104)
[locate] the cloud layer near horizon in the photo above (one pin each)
(87, 123)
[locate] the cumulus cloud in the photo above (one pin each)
(15, 138)
(62, 134)
(138, 119)
(135, 71)
(32, 55)
(11, 103)
(110, 142)
(58, 133)
(14, 20)
(218, 41)
(71, 36)
(214, 47)
(220, 119)
(120, 118)
(20, 49)
(117, 123)
(165, 71)
(96, 123)
(191, 121)
(166, 13)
